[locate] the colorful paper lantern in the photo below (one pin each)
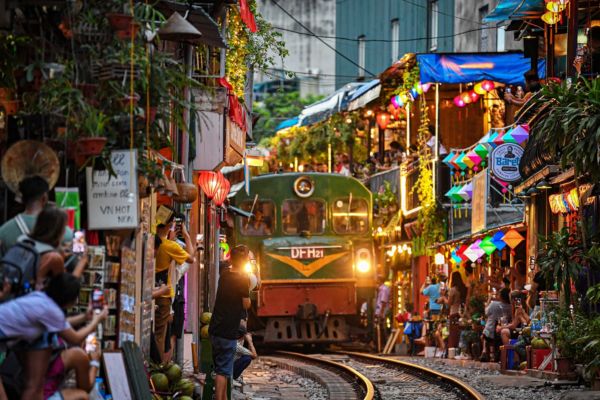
(459, 161)
(474, 252)
(508, 138)
(551, 18)
(487, 245)
(467, 161)
(464, 194)
(415, 93)
(555, 6)
(499, 139)
(479, 89)
(488, 86)
(425, 87)
(210, 182)
(222, 193)
(497, 239)
(453, 161)
(466, 97)
(481, 150)
(458, 101)
(476, 158)
(383, 120)
(394, 101)
(520, 133)
(512, 238)
(474, 96)
(456, 258)
(448, 160)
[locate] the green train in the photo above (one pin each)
(311, 234)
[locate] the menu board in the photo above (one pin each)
(112, 200)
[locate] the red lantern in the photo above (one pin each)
(222, 193)
(383, 119)
(466, 97)
(488, 86)
(209, 182)
(459, 102)
(473, 95)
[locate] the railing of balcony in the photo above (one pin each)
(376, 181)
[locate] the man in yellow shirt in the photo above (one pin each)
(168, 251)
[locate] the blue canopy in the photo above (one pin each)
(516, 9)
(288, 123)
(508, 68)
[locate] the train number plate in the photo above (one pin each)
(305, 253)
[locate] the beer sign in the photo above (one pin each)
(505, 162)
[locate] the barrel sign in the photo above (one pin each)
(505, 162)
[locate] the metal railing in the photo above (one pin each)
(377, 181)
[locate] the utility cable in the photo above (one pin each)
(321, 40)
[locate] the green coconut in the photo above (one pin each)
(185, 386)
(173, 373)
(204, 332)
(205, 318)
(160, 382)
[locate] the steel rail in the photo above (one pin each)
(367, 385)
(467, 389)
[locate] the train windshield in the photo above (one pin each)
(350, 216)
(263, 220)
(303, 216)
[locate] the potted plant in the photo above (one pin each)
(10, 47)
(93, 125)
(558, 261)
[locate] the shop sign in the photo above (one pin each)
(112, 201)
(235, 142)
(505, 162)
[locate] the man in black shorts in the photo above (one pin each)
(233, 299)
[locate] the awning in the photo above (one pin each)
(288, 123)
(211, 32)
(508, 68)
(239, 211)
(516, 9)
(336, 102)
(364, 95)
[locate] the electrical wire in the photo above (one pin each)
(386, 40)
(321, 40)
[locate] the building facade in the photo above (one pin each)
(311, 60)
(372, 35)
(471, 34)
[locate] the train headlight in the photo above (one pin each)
(363, 260)
(363, 266)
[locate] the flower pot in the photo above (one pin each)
(90, 146)
(119, 21)
(7, 93)
(10, 106)
(564, 365)
(128, 33)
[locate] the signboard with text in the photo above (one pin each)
(112, 200)
(505, 162)
(306, 253)
(478, 202)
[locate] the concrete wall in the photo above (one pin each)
(313, 61)
(472, 35)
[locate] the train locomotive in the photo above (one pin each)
(311, 234)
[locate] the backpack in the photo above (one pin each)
(20, 264)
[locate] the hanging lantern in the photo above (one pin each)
(466, 97)
(473, 95)
(403, 98)
(383, 119)
(555, 6)
(458, 101)
(209, 182)
(394, 101)
(512, 238)
(551, 18)
(487, 245)
(418, 88)
(425, 87)
(222, 193)
(414, 93)
(479, 89)
(488, 86)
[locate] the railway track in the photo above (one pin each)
(351, 375)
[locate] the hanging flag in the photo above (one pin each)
(247, 16)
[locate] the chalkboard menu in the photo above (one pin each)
(112, 200)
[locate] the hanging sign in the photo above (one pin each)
(112, 200)
(478, 202)
(505, 162)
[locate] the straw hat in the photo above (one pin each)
(177, 29)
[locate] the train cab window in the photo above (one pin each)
(350, 216)
(262, 223)
(303, 215)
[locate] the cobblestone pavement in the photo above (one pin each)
(264, 380)
(495, 386)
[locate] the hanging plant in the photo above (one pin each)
(429, 217)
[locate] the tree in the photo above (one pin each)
(277, 108)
